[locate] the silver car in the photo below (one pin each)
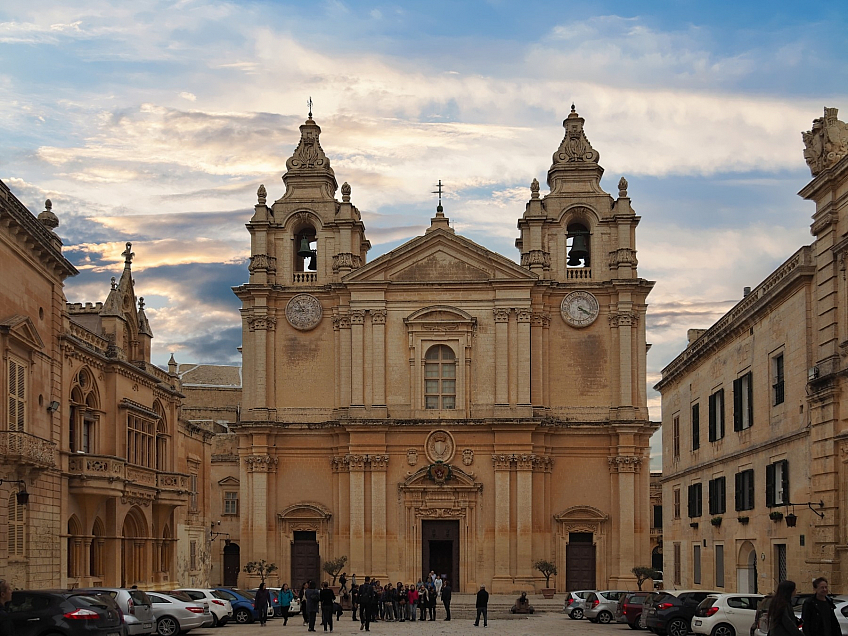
(134, 604)
(221, 608)
(574, 603)
(600, 606)
(174, 615)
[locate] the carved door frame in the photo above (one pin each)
(304, 516)
(581, 519)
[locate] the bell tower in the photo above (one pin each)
(578, 232)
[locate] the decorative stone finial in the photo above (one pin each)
(172, 365)
(309, 154)
(622, 187)
(47, 218)
(826, 143)
(309, 103)
(262, 194)
(346, 192)
(114, 284)
(141, 304)
(128, 255)
(575, 147)
(534, 189)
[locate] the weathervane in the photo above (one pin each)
(439, 192)
(309, 103)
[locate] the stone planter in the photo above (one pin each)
(548, 592)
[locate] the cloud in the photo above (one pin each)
(189, 96)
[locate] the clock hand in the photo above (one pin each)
(583, 310)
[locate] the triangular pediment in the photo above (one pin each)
(23, 330)
(228, 481)
(440, 256)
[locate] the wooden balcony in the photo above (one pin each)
(25, 449)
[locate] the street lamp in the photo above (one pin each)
(22, 495)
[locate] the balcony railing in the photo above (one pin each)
(172, 481)
(305, 278)
(141, 476)
(579, 273)
(26, 449)
(96, 466)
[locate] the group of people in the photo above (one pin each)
(817, 612)
(371, 600)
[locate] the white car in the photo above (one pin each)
(175, 615)
(221, 608)
(726, 614)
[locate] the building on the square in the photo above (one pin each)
(755, 444)
(656, 522)
(118, 481)
(444, 407)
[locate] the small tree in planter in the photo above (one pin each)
(643, 573)
(547, 569)
(334, 566)
(260, 568)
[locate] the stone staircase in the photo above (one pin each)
(463, 606)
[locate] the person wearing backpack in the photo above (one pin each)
(366, 599)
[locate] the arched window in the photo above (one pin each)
(306, 250)
(440, 378)
(577, 245)
(95, 554)
(17, 527)
(162, 438)
(83, 414)
(75, 547)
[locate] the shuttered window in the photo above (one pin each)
(743, 403)
(745, 490)
(17, 527)
(777, 484)
(696, 496)
(696, 426)
(717, 496)
(17, 395)
(716, 404)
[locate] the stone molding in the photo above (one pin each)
(524, 315)
(346, 260)
(357, 317)
(536, 257)
(540, 319)
(261, 323)
(624, 463)
(522, 461)
(346, 463)
(378, 316)
(623, 319)
(261, 463)
(262, 261)
(623, 256)
(501, 314)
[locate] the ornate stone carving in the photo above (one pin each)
(501, 314)
(536, 257)
(534, 189)
(624, 463)
(261, 463)
(522, 461)
(439, 446)
(262, 261)
(262, 194)
(378, 316)
(261, 323)
(359, 462)
(346, 260)
(622, 187)
(826, 143)
(439, 472)
(346, 192)
(412, 457)
(378, 462)
(308, 153)
(502, 462)
(575, 147)
(540, 319)
(467, 457)
(304, 312)
(357, 317)
(523, 315)
(48, 218)
(623, 319)
(623, 256)
(137, 498)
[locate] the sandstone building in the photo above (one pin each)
(443, 407)
(117, 480)
(755, 444)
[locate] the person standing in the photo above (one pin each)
(313, 600)
(431, 602)
(286, 598)
(817, 615)
(366, 597)
(326, 597)
(446, 598)
(483, 607)
(422, 603)
(302, 599)
(354, 598)
(6, 626)
(781, 618)
(412, 602)
(343, 583)
(261, 602)
(437, 583)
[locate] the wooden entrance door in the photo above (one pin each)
(232, 564)
(305, 559)
(580, 562)
(440, 550)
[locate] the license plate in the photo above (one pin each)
(697, 623)
(147, 625)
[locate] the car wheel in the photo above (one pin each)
(723, 629)
(576, 614)
(243, 616)
(678, 627)
(637, 624)
(604, 618)
(167, 626)
(215, 622)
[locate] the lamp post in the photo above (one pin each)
(22, 495)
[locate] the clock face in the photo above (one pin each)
(579, 309)
(304, 312)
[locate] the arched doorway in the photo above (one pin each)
(75, 556)
(133, 533)
(746, 569)
(232, 564)
(95, 550)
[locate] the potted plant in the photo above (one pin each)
(547, 569)
(774, 515)
(333, 567)
(743, 519)
(716, 521)
(260, 568)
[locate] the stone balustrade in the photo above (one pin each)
(141, 476)
(579, 273)
(305, 278)
(96, 466)
(172, 481)
(26, 449)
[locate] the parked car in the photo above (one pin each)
(242, 601)
(725, 614)
(658, 582)
(134, 604)
(600, 606)
(174, 615)
(574, 603)
(671, 611)
(275, 609)
(221, 608)
(629, 609)
(65, 613)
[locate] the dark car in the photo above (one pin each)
(629, 609)
(671, 611)
(242, 601)
(64, 613)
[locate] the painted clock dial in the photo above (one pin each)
(579, 309)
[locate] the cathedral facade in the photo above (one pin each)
(443, 407)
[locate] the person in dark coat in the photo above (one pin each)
(313, 600)
(781, 618)
(482, 607)
(366, 598)
(261, 602)
(354, 598)
(6, 626)
(817, 614)
(446, 598)
(431, 601)
(326, 597)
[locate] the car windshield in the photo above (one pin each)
(90, 599)
(179, 595)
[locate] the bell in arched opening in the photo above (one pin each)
(578, 246)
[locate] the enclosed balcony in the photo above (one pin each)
(25, 449)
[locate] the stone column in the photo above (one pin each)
(524, 519)
(379, 464)
(501, 315)
(537, 358)
(337, 344)
(523, 368)
(622, 470)
(259, 324)
(624, 320)
(345, 354)
(357, 325)
(378, 325)
(259, 467)
(502, 581)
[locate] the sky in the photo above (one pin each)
(155, 122)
